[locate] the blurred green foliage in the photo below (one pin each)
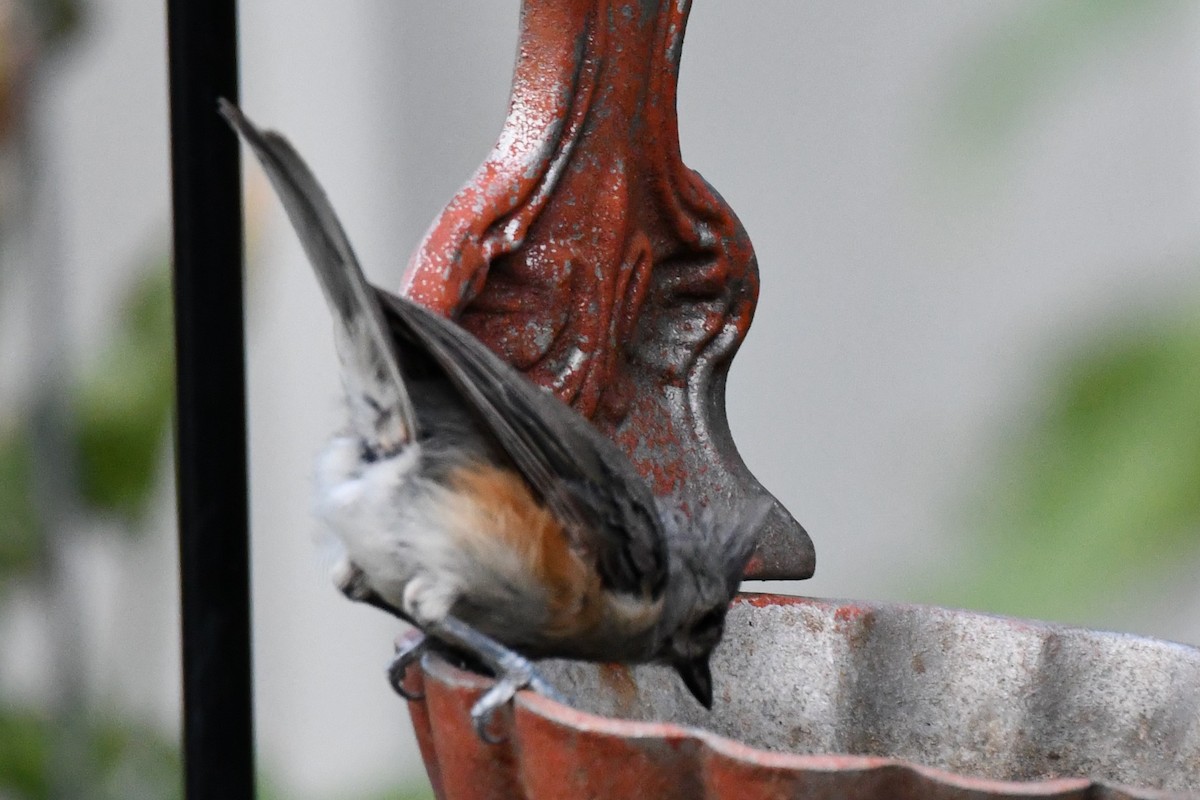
(20, 532)
(1004, 78)
(1102, 490)
(120, 414)
(125, 761)
(123, 406)
(24, 754)
(265, 791)
(412, 793)
(118, 428)
(121, 410)
(1034, 57)
(1099, 492)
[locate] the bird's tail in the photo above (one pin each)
(380, 408)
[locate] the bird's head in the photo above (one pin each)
(708, 553)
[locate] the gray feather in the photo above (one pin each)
(610, 513)
(381, 411)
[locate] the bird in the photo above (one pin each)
(485, 511)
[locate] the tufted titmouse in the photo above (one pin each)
(482, 509)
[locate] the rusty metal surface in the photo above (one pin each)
(587, 255)
(847, 700)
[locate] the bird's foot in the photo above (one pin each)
(408, 651)
(513, 672)
(496, 698)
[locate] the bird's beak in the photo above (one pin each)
(698, 679)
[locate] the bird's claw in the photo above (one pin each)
(513, 671)
(407, 653)
(518, 674)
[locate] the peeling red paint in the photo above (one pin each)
(763, 600)
(851, 614)
(553, 751)
(586, 254)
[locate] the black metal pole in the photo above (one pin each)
(218, 731)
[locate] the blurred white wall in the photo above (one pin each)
(903, 324)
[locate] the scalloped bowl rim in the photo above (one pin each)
(436, 668)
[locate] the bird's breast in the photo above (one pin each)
(557, 605)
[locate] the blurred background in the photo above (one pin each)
(974, 374)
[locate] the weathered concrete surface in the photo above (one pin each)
(819, 698)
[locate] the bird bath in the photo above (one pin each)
(822, 698)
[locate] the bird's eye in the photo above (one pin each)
(710, 621)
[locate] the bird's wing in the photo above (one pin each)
(610, 512)
(381, 411)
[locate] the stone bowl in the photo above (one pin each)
(836, 699)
